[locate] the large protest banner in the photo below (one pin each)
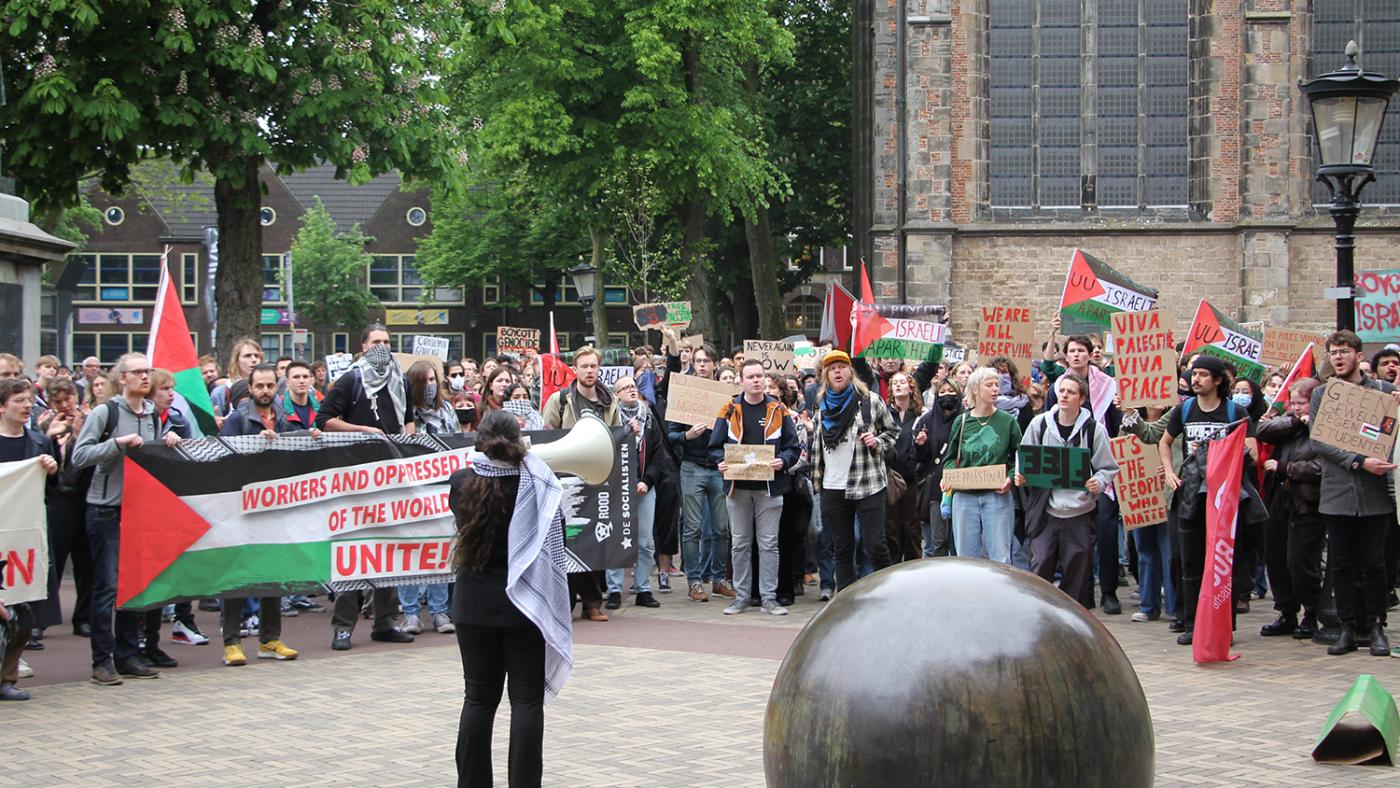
(695, 400)
(1377, 305)
(24, 544)
(876, 336)
(242, 516)
(521, 341)
(1094, 291)
(1214, 333)
(1141, 483)
(1356, 419)
(1145, 358)
(1007, 331)
(777, 357)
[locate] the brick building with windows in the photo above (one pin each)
(1166, 137)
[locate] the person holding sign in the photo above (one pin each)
(755, 508)
(983, 520)
(1357, 508)
(854, 430)
(1060, 520)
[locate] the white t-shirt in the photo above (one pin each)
(838, 462)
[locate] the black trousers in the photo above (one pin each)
(588, 587)
(792, 538)
(1193, 565)
(68, 540)
(1356, 549)
(839, 515)
(1106, 544)
(1293, 557)
(489, 654)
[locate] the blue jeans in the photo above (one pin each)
(437, 598)
(702, 490)
(983, 522)
(122, 641)
(1154, 548)
(826, 551)
(645, 517)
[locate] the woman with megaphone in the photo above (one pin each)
(511, 605)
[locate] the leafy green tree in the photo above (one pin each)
(222, 87)
(328, 271)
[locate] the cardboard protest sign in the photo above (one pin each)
(693, 341)
(777, 357)
(1283, 345)
(1363, 728)
(983, 477)
(1008, 331)
(336, 363)
(1145, 359)
(523, 341)
(696, 400)
(407, 360)
(1062, 467)
(1214, 333)
(808, 356)
(675, 314)
(1377, 305)
(1141, 483)
(24, 542)
(1356, 419)
(1094, 291)
(748, 462)
(437, 347)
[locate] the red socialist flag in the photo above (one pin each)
(554, 373)
(1224, 464)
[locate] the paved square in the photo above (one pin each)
(671, 697)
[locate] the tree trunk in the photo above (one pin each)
(238, 287)
(697, 288)
(765, 275)
(600, 306)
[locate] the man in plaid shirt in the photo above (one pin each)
(853, 431)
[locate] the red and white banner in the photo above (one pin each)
(1216, 603)
(24, 544)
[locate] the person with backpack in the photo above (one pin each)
(370, 397)
(1201, 418)
(1060, 522)
(126, 421)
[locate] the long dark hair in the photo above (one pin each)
(484, 506)
(418, 384)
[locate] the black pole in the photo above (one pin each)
(1345, 209)
(589, 336)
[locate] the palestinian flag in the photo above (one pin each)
(882, 337)
(239, 516)
(1214, 333)
(171, 348)
(1302, 368)
(1094, 291)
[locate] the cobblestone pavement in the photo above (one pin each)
(670, 697)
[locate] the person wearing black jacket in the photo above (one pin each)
(1296, 532)
(67, 510)
(931, 433)
(257, 414)
(636, 415)
(902, 513)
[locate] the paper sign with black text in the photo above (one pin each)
(777, 357)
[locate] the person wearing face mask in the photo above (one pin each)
(371, 397)
(930, 439)
(463, 399)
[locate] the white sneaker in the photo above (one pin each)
(736, 607)
(826, 595)
(773, 608)
(190, 636)
(443, 624)
(411, 625)
(24, 670)
(1141, 616)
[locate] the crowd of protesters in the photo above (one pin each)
(859, 452)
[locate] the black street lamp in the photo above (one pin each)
(1348, 107)
(585, 279)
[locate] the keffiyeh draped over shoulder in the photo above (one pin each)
(536, 581)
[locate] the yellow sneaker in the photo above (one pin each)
(276, 649)
(233, 656)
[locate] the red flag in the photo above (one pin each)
(836, 316)
(867, 294)
(554, 373)
(1224, 463)
(170, 347)
(1302, 368)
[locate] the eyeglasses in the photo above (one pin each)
(621, 389)
(142, 372)
(1341, 351)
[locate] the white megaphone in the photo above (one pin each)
(586, 452)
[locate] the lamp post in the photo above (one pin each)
(585, 279)
(1348, 107)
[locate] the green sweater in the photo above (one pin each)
(990, 441)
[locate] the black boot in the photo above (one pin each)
(1380, 645)
(1285, 624)
(1111, 605)
(1346, 641)
(1307, 627)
